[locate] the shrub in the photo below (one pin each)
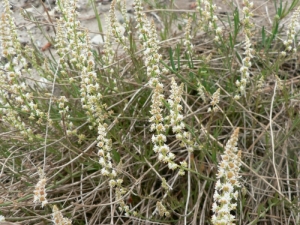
(179, 117)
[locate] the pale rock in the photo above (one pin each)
(97, 40)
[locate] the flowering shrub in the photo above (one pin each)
(132, 131)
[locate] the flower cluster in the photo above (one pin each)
(147, 34)
(116, 28)
(105, 146)
(260, 84)
(15, 94)
(187, 41)
(40, 190)
(76, 44)
(228, 175)
(175, 107)
(208, 18)
(157, 124)
(291, 32)
(82, 59)
(161, 209)
(247, 23)
(215, 101)
(12, 117)
(120, 192)
(201, 91)
(204, 10)
(65, 117)
(68, 39)
(58, 218)
(11, 47)
(244, 70)
(108, 51)
(61, 44)
(151, 58)
(123, 9)
(207, 12)
(176, 121)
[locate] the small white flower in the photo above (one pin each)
(219, 30)
(171, 156)
(154, 139)
(172, 165)
(112, 183)
(113, 173)
(164, 149)
(102, 161)
(104, 172)
(237, 97)
(160, 157)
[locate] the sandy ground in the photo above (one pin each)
(264, 12)
(30, 33)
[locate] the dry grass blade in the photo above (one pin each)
(8, 223)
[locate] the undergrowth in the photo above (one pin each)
(177, 117)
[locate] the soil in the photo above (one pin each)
(264, 12)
